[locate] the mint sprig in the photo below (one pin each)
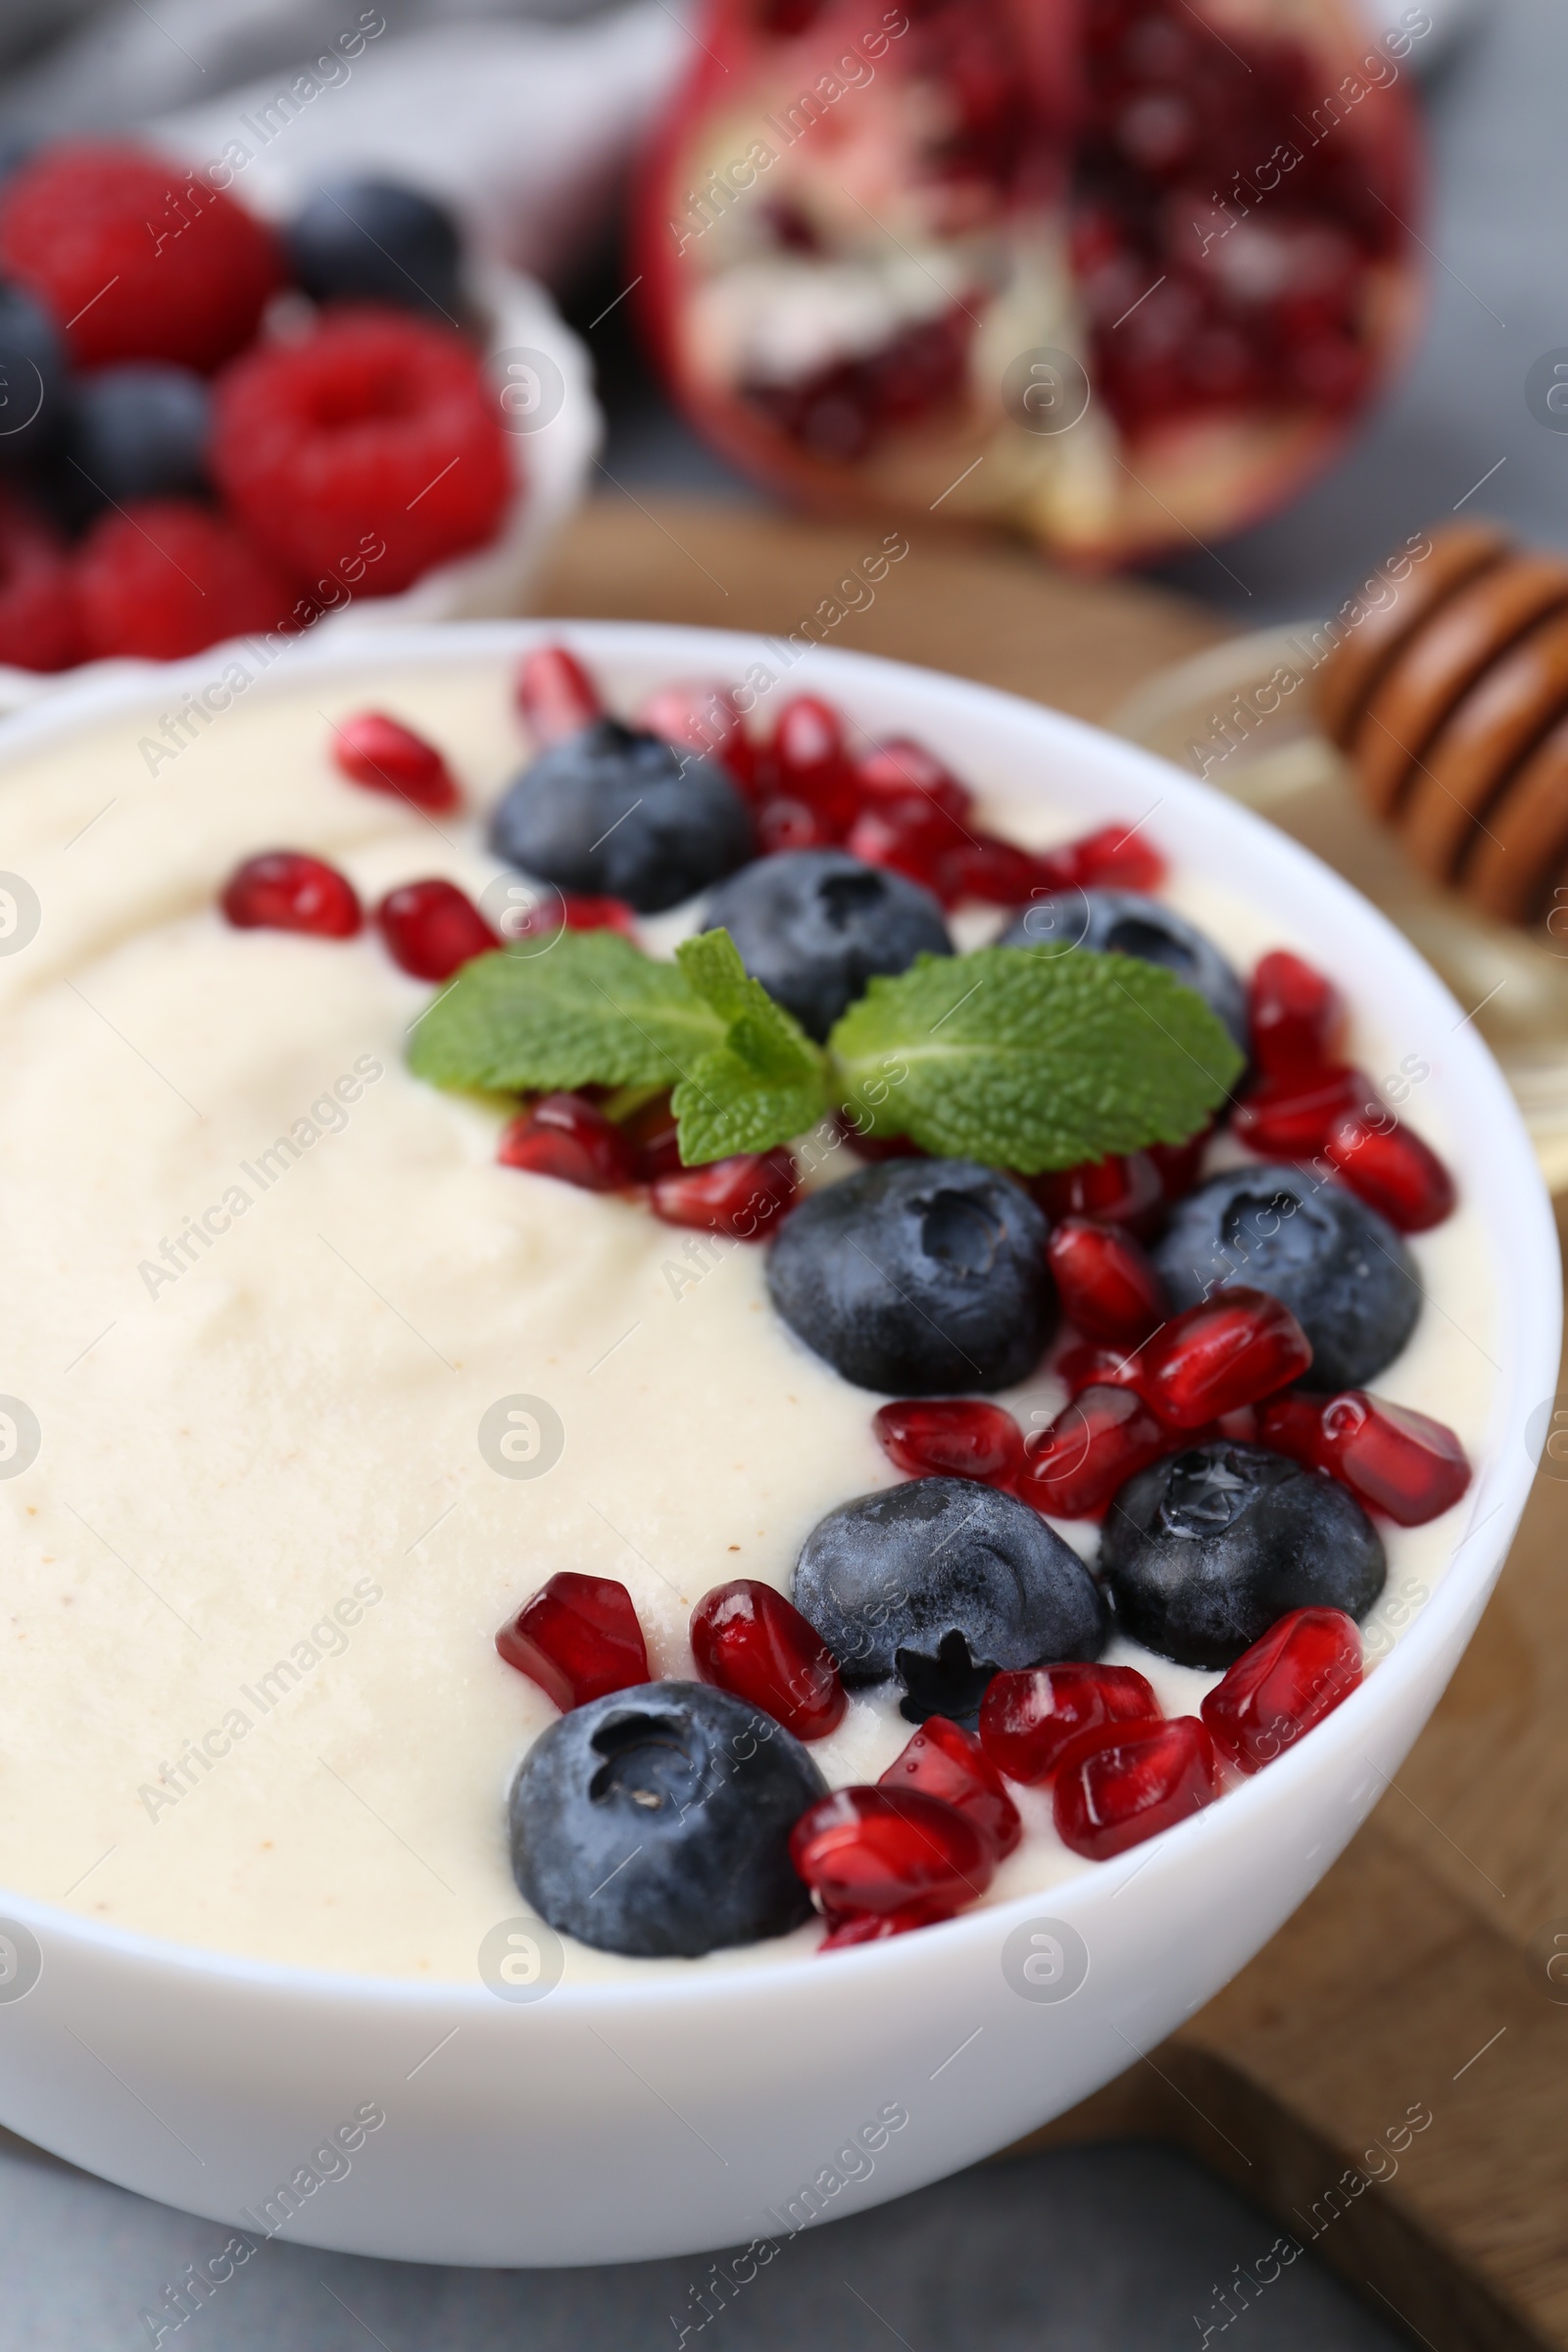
(1021, 1059)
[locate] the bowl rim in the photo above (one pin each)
(1528, 1374)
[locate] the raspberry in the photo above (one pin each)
(135, 259)
(376, 429)
(41, 612)
(167, 576)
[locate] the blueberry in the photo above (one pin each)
(918, 1277)
(1345, 1274)
(32, 377)
(1203, 1550)
(377, 240)
(620, 813)
(657, 1822)
(944, 1583)
(139, 431)
(816, 925)
(1121, 922)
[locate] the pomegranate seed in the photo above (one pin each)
(1080, 1368)
(783, 823)
(1180, 1165)
(1094, 1445)
(1126, 1191)
(572, 910)
(555, 693)
(749, 1640)
(997, 872)
(285, 890)
(1296, 1017)
(880, 1850)
(746, 1198)
(432, 928)
(1291, 1118)
(1288, 1681)
(897, 770)
(1232, 1349)
(653, 1134)
(1392, 1170)
(1028, 1717)
(875, 1927)
(943, 1760)
(951, 1437)
(909, 838)
(1115, 857)
(1399, 1462)
(579, 1638)
(1293, 1424)
(1122, 1782)
(808, 760)
(381, 753)
(563, 1136)
(1107, 1286)
(697, 714)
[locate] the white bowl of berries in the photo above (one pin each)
(854, 1365)
(216, 425)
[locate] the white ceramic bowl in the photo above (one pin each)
(615, 2122)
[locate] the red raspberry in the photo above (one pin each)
(167, 576)
(136, 259)
(41, 612)
(375, 433)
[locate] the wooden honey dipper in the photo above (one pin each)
(1450, 700)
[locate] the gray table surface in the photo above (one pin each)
(1091, 2250)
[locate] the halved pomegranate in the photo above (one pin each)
(1119, 274)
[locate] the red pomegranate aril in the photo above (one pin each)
(653, 1134)
(1122, 1782)
(555, 694)
(1392, 1170)
(749, 1641)
(571, 911)
(783, 823)
(287, 890)
(1296, 1017)
(1232, 1349)
(1180, 1165)
(880, 1850)
(432, 929)
(1299, 1670)
(385, 756)
(945, 1760)
(1117, 1190)
(1117, 856)
(1089, 1367)
(951, 1437)
(565, 1137)
(875, 1927)
(1095, 1444)
(1397, 1461)
(697, 714)
(579, 1638)
(1291, 1118)
(901, 771)
(1028, 1717)
(996, 872)
(807, 759)
(907, 841)
(1107, 1284)
(746, 1198)
(1293, 1424)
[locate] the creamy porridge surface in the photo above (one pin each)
(261, 1288)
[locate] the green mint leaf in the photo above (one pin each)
(590, 1011)
(1033, 1062)
(763, 1082)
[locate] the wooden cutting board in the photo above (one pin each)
(1414, 1982)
